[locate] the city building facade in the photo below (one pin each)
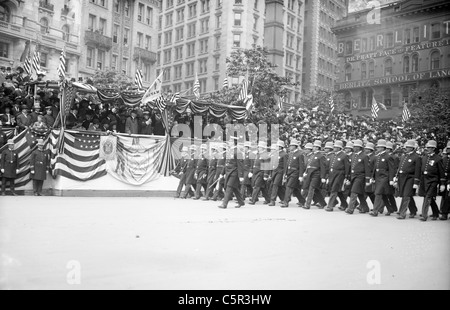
(386, 54)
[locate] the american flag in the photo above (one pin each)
(138, 79)
(244, 90)
(62, 65)
(80, 160)
(175, 97)
(375, 108)
(225, 82)
(196, 89)
(160, 103)
(36, 62)
(406, 115)
(27, 64)
(331, 102)
(249, 102)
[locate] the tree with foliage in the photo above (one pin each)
(430, 113)
(111, 79)
(265, 84)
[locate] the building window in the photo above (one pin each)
(125, 66)
(237, 40)
(435, 31)
(44, 25)
(364, 45)
(407, 35)
(114, 62)
(363, 99)
(191, 49)
(349, 48)
(348, 72)
(406, 64)
(115, 33)
(372, 41)
(91, 22)
(5, 14)
(237, 19)
(204, 46)
(100, 59)
(126, 35)
(90, 57)
(141, 10)
(388, 67)
(415, 63)
(387, 97)
(390, 40)
(217, 43)
(371, 69)
(416, 34)
(204, 24)
(435, 60)
(149, 19)
(363, 71)
(203, 66)
(116, 6)
(127, 8)
(348, 100)
(4, 49)
(102, 26)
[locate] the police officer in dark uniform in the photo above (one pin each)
(278, 173)
(190, 172)
(221, 158)
(212, 169)
(339, 171)
(348, 149)
(314, 176)
(249, 156)
(359, 178)
(39, 164)
(383, 178)
(232, 174)
(432, 176)
(294, 174)
(390, 198)
(9, 164)
(328, 153)
(201, 172)
(445, 202)
(369, 149)
(407, 179)
(260, 174)
(180, 170)
(3, 137)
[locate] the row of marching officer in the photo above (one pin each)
(350, 174)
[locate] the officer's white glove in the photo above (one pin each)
(442, 188)
(266, 178)
(395, 179)
(3, 170)
(416, 187)
(17, 171)
(32, 172)
(324, 181)
(301, 179)
(195, 176)
(391, 183)
(241, 179)
(250, 175)
(222, 176)
(328, 181)
(448, 187)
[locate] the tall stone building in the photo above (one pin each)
(320, 44)
(386, 54)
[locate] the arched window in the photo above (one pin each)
(44, 25)
(66, 33)
(349, 48)
(415, 63)
(348, 100)
(371, 69)
(363, 99)
(435, 60)
(388, 67)
(363, 71)
(387, 97)
(348, 72)
(5, 13)
(406, 64)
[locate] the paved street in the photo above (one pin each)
(162, 243)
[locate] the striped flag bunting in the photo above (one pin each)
(249, 102)
(138, 79)
(331, 102)
(24, 144)
(161, 104)
(375, 108)
(9, 132)
(36, 61)
(175, 97)
(80, 159)
(244, 90)
(196, 89)
(62, 65)
(406, 115)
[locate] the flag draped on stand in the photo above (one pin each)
(196, 89)
(406, 115)
(36, 61)
(80, 159)
(375, 108)
(154, 91)
(138, 79)
(175, 97)
(225, 82)
(331, 102)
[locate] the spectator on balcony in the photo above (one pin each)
(132, 124)
(146, 124)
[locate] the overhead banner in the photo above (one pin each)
(137, 160)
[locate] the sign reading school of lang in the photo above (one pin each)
(401, 78)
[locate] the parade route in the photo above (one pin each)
(167, 244)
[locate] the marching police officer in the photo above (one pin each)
(383, 177)
(232, 174)
(369, 149)
(348, 149)
(339, 171)
(360, 177)
(314, 176)
(190, 172)
(180, 170)
(201, 172)
(278, 174)
(445, 202)
(390, 198)
(9, 164)
(246, 186)
(294, 174)
(260, 174)
(407, 179)
(220, 156)
(432, 176)
(39, 164)
(212, 167)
